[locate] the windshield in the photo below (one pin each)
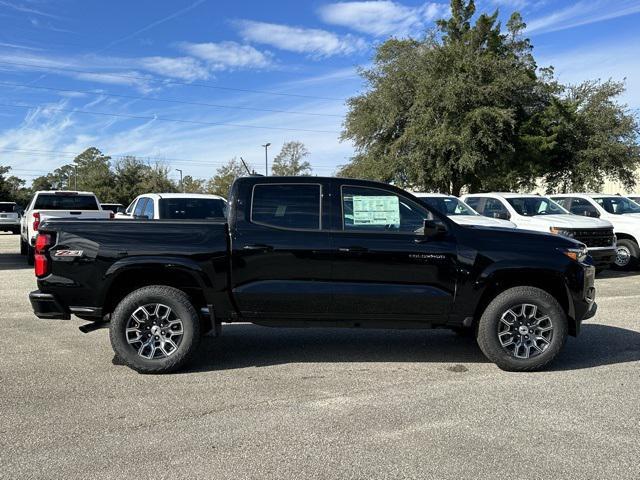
(7, 207)
(52, 201)
(618, 205)
(532, 206)
(192, 208)
(448, 206)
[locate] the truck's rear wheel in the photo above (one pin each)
(155, 329)
(522, 329)
(626, 254)
(23, 247)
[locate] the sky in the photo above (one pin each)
(194, 83)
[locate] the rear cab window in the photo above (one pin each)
(290, 206)
(57, 201)
(192, 208)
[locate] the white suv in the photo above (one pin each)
(175, 206)
(460, 212)
(9, 217)
(622, 212)
(535, 212)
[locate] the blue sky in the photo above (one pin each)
(197, 82)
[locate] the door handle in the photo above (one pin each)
(258, 248)
(353, 249)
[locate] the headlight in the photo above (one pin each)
(561, 231)
(578, 254)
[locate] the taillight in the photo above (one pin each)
(40, 260)
(36, 221)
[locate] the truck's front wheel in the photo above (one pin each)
(522, 329)
(155, 329)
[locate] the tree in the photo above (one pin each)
(156, 179)
(290, 161)
(467, 107)
(225, 175)
(590, 138)
(193, 185)
(130, 173)
(94, 174)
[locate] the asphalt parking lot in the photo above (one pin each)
(286, 403)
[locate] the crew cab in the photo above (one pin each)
(313, 252)
(56, 204)
(621, 212)
(460, 212)
(175, 206)
(536, 212)
(9, 217)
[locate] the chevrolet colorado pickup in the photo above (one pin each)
(312, 252)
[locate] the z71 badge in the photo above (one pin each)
(68, 253)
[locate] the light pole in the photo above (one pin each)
(266, 159)
(181, 184)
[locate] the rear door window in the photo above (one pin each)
(52, 201)
(287, 206)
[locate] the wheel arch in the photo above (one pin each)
(549, 281)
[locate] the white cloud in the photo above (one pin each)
(228, 55)
(315, 42)
(583, 13)
(184, 68)
(382, 17)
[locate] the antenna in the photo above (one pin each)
(245, 166)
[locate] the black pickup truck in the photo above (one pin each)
(313, 252)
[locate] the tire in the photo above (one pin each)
(23, 247)
(164, 358)
(16, 231)
(491, 329)
(627, 254)
(30, 255)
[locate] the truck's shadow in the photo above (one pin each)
(245, 345)
(13, 261)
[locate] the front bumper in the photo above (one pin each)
(46, 306)
(602, 257)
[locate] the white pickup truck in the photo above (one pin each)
(56, 204)
(460, 212)
(536, 212)
(175, 206)
(623, 213)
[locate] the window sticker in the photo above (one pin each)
(376, 210)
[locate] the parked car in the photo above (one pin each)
(634, 197)
(56, 204)
(314, 252)
(460, 212)
(112, 207)
(9, 217)
(621, 212)
(536, 212)
(175, 206)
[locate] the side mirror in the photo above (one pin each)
(501, 215)
(593, 213)
(432, 228)
(121, 210)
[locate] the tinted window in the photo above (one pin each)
(532, 206)
(148, 209)
(192, 208)
(50, 201)
(618, 205)
(371, 209)
(473, 202)
(564, 202)
(140, 206)
(287, 206)
(7, 207)
(448, 206)
(580, 206)
(494, 208)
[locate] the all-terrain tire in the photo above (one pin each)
(23, 247)
(184, 310)
(489, 323)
